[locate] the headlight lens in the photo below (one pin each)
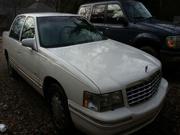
(103, 102)
(171, 41)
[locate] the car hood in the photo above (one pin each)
(166, 27)
(109, 64)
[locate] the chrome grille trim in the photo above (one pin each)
(142, 91)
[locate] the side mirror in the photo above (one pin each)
(123, 21)
(29, 42)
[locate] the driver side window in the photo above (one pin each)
(28, 29)
(114, 13)
(98, 13)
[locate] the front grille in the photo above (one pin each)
(144, 90)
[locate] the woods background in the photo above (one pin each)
(161, 9)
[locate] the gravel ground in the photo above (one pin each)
(25, 111)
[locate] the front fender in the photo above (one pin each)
(72, 81)
(146, 37)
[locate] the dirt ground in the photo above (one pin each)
(25, 111)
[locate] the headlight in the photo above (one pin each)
(103, 102)
(171, 41)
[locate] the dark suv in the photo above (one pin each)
(128, 21)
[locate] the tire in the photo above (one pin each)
(150, 50)
(58, 105)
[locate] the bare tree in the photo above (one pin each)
(57, 3)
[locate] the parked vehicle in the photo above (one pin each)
(100, 85)
(128, 21)
(177, 20)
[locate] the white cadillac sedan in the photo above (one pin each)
(99, 85)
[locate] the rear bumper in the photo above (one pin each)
(120, 121)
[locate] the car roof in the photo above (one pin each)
(107, 1)
(47, 14)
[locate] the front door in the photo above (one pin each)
(98, 16)
(28, 58)
(115, 29)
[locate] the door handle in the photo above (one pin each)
(107, 28)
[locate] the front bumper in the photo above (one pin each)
(120, 121)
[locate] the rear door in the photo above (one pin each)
(14, 43)
(98, 16)
(85, 11)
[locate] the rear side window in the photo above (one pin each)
(114, 12)
(28, 29)
(85, 11)
(98, 13)
(17, 27)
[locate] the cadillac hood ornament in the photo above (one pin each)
(146, 69)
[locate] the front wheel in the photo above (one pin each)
(150, 50)
(59, 109)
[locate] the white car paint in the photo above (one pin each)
(97, 67)
(105, 62)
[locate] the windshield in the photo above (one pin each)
(59, 31)
(136, 11)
